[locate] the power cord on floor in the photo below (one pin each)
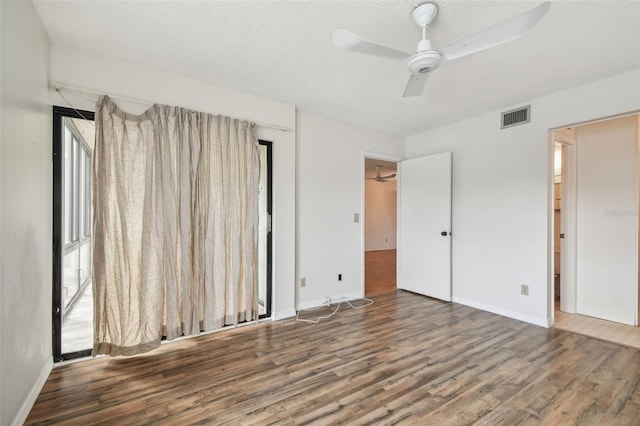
(346, 300)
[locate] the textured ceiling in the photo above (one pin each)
(283, 50)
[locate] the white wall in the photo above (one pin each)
(329, 163)
(25, 196)
(380, 212)
(502, 195)
(116, 77)
(330, 189)
(607, 219)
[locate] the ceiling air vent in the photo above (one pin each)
(515, 117)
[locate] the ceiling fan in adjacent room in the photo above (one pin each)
(379, 178)
(426, 59)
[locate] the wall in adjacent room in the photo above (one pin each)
(381, 202)
(25, 196)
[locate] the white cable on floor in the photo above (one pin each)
(345, 299)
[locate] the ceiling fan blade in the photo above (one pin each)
(349, 41)
(496, 35)
(388, 177)
(415, 85)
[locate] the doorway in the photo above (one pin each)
(564, 205)
(557, 223)
(595, 221)
(380, 225)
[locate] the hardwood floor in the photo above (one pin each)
(379, 271)
(407, 359)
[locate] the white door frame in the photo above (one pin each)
(373, 156)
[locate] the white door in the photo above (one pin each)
(424, 200)
(607, 219)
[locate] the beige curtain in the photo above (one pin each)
(175, 201)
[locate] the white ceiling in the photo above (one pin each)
(283, 50)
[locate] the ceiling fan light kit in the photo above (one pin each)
(426, 59)
(424, 62)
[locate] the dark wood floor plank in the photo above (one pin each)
(407, 359)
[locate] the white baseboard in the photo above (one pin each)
(310, 304)
(332, 299)
(542, 322)
(287, 313)
(352, 296)
(27, 405)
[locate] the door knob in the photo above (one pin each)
(444, 233)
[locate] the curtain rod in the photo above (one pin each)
(59, 87)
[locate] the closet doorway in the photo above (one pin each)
(595, 244)
(380, 225)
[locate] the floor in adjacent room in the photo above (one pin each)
(622, 334)
(379, 271)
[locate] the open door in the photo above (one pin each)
(424, 226)
(568, 237)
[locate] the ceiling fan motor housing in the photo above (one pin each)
(424, 62)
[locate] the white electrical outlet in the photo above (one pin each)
(303, 282)
(524, 289)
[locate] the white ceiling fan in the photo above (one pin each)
(379, 178)
(426, 60)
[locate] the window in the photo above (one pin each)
(73, 140)
(77, 184)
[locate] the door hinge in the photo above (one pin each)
(561, 235)
(268, 223)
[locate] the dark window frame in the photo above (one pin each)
(268, 302)
(58, 243)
